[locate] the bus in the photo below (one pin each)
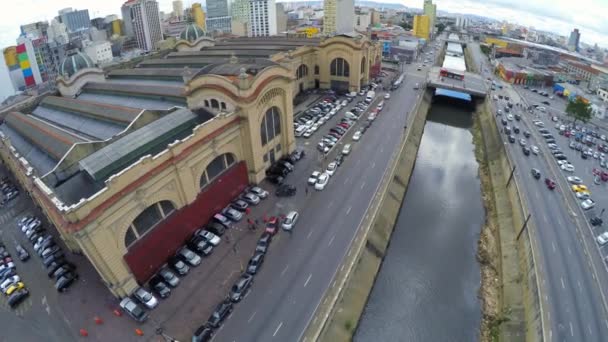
(458, 75)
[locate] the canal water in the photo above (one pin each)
(426, 289)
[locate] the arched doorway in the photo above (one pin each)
(338, 70)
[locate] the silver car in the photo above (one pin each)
(290, 220)
(189, 256)
(146, 298)
(261, 193)
(250, 198)
(232, 214)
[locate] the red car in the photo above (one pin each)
(604, 176)
(272, 226)
(344, 124)
(550, 183)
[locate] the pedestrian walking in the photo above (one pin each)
(257, 221)
(306, 190)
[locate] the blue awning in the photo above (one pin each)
(452, 93)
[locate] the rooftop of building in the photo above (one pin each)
(74, 144)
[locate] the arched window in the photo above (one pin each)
(271, 125)
(363, 66)
(207, 103)
(216, 167)
(316, 69)
(339, 67)
(302, 71)
(215, 104)
(148, 219)
(223, 105)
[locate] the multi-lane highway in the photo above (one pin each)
(300, 266)
(573, 302)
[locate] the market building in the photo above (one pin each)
(126, 164)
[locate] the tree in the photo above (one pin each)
(485, 49)
(440, 28)
(406, 26)
(579, 110)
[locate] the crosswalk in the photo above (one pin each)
(7, 216)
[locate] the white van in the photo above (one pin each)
(300, 130)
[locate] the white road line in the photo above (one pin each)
(571, 330)
(589, 328)
(346, 180)
(331, 241)
(362, 185)
(348, 210)
(373, 165)
(553, 244)
(569, 250)
(284, 270)
(580, 288)
(307, 280)
(252, 315)
(309, 234)
(276, 331)
(563, 285)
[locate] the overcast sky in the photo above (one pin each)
(557, 16)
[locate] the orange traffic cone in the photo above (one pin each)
(98, 320)
(139, 332)
(84, 333)
(117, 312)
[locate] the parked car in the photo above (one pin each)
(252, 198)
(189, 256)
(22, 253)
(220, 313)
(64, 269)
(65, 281)
(322, 181)
(602, 239)
(203, 333)
(208, 236)
(550, 183)
(17, 297)
(587, 204)
(255, 263)
(145, 297)
(240, 288)
(536, 173)
(263, 243)
(160, 287)
(259, 192)
(290, 220)
(346, 149)
(133, 310)
(232, 214)
(223, 220)
(215, 228)
(169, 277)
(239, 205)
(275, 179)
(312, 180)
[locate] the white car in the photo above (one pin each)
(535, 149)
(583, 195)
(315, 127)
(322, 181)
(210, 237)
(8, 282)
(357, 136)
(602, 239)
(371, 117)
(587, 204)
(387, 96)
(290, 220)
(312, 180)
(261, 193)
(346, 149)
(308, 133)
(510, 117)
(331, 168)
(568, 167)
(321, 121)
(575, 180)
(562, 162)
(146, 298)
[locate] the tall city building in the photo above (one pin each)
(142, 18)
(338, 16)
(430, 10)
(574, 40)
(14, 69)
(218, 17)
(199, 16)
(58, 32)
(281, 18)
(239, 10)
(75, 20)
(30, 62)
(35, 30)
(262, 20)
(462, 22)
(178, 9)
(422, 26)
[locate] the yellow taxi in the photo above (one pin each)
(14, 288)
(580, 188)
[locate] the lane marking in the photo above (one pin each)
(373, 165)
(362, 185)
(571, 330)
(346, 180)
(348, 210)
(309, 234)
(250, 318)
(563, 285)
(284, 270)
(580, 288)
(276, 331)
(553, 244)
(589, 328)
(331, 240)
(307, 280)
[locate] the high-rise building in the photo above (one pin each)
(14, 70)
(462, 22)
(75, 20)
(217, 8)
(338, 16)
(35, 30)
(58, 32)
(30, 62)
(281, 18)
(178, 9)
(199, 16)
(143, 19)
(422, 26)
(574, 40)
(219, 25)
(430, 10)
(262, 20)
(239, 10)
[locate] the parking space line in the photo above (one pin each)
(571, 330)
(252, 315)
(563, 285)
(346, 180)
(373, 165)
(278, 328)
(362, 185)
(553, 245)
(348, 210)
(307, 280)
(309, 234)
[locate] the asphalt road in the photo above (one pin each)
(571, 295)
(300, 266)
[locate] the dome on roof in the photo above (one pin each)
(192, 32)
(74, 62)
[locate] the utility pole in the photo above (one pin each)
(510, 177)
(524, 226)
